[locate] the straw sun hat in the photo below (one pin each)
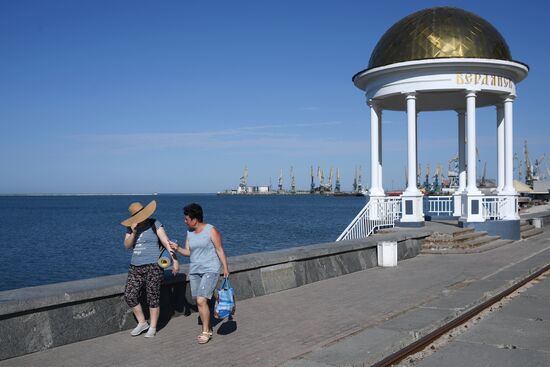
(139, 212)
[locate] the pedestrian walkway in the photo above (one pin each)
(354, 319)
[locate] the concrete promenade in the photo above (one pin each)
(355, 319)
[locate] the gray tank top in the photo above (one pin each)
(204, 258)
(146, 248)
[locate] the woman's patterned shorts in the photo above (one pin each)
(150, 275)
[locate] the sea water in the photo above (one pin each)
(50, 239)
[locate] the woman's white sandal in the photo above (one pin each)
(204, 337)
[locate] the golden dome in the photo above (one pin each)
(439, 32)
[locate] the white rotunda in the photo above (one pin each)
(438, 59)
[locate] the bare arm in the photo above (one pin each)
(185, 251)
(131, 236)
(161, 233)
(216, 238)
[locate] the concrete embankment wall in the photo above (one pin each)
(38, 318)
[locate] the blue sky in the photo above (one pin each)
(178, 96)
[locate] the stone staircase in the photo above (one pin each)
(465, 240)
(527, 230)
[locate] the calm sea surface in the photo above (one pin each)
(49, 239)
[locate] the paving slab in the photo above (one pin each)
(487, 286)
(520, 332)
(460, 354)
(420, 321)
(539, 292)
(455, 300)
(366, 347)
(305, 363)
(528, 307)
(508, 275)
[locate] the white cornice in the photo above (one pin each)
(512, 69)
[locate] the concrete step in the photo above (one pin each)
(469, 236)
(486, 247)
(479, 241)
(531, 232)
(448, 240)
(526, 227)
(462, 231)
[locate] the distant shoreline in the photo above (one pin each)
(116, 194)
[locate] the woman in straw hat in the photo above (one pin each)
(204, 246)
(143, 235)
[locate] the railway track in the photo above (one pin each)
(432, 338)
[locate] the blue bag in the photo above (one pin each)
(225, 300)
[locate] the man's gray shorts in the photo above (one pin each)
(203, 285)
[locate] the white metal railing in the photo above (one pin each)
(495, 207)
(378, 213)
(439, 205)
(490, 205)
(383, 212)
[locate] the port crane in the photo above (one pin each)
(533, 171)
(436, 185)
(519, 166)
(355, 181)
(292, 181)
(483, 181)
(452, 171)
(312, 187)
(359, 184)
(337, 185)
(280, 182)
(528, 166)
(537, 168)
(321, 177)
(243, 184)
(427, 180)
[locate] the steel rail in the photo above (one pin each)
(426, 340)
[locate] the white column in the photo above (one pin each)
(457, 197)
(472, 198)
(509, 209)
(471, 187)
(508, 148)
(461, 151)
(411, 145)
(380, 173)
(416, 152)
(500, 148)
(375, 189)
(411, 200)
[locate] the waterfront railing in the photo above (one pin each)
(494, 207)
(439, 206)
(376, 214)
